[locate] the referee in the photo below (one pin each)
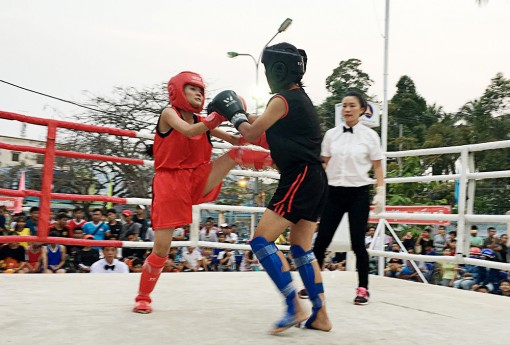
(349, 152)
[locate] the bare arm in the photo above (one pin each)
(325, 160)
(62, 259)
(378, 172)
(170, 119)
(275, 110)
(230, 138)
(44, 256)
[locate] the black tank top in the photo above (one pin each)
(295, 139)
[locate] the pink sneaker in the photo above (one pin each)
(362, 296)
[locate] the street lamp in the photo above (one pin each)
(284, 26)
(286, 23)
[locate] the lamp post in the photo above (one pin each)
(284, 25)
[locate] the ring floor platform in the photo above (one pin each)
(239, 308)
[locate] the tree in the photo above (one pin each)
(128, 108)
(347, 76)
(408, 118)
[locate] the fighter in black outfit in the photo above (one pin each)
(292, 128)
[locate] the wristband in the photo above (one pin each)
(237, 119)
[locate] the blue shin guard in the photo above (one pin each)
(266, 253)
(303, 262)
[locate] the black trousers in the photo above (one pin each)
(356, 202)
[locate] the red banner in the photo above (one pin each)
(11, 203)
(416, 209)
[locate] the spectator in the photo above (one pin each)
(13, 257)
(178, 234)
(503, 240)
(249, 262)
(110, 263)
(34, 255)
(491, 240)
(504, 288)
(60, 226)
(452, 236)
(475, 240)
(171, 265)
(423, 241)
(176, 260)
(86, 256)
(77, 222)
(408, 241)
(334, 261)
(209, 232)
(32, 220)
(453, 247)
(369, 238)
(487, 276)
(3, 218)
(409, 272)
(481, 288)
(468, 272)
(394, 265)
(20, 228)
(207, 255)
(114, 225)
(129, 225)
(54, 256)
(232, 236)
(139, 217)
(97, 226)
(193, 261)
(135, 265)
(227, 260)
(131, 253)
(440, 240)
(448, 270)
(72, 250)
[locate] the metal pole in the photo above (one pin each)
(384, 120)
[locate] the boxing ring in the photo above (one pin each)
(216, 307)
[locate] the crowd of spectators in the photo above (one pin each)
(25, 257)
(445, 273)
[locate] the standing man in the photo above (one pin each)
(440, 240)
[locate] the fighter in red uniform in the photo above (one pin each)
(185, 175)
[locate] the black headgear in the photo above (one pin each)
(284, 64)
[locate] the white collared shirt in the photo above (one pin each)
(98, 267)
(351, 155)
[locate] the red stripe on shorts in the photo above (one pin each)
(295, 190)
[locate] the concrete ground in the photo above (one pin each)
(239, 308)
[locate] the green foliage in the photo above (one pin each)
(431, 193)
(347, 76)
(408, 117)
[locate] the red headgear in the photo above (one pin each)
(176, 90)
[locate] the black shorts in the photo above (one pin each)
(301, 193)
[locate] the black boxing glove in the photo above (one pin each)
(229, 105)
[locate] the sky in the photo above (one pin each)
(450, 48)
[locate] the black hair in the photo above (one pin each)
(34, 209)
(54, 233)
(474, 227)
(111, 210)
(453, 232)
(97, 210)
(77, 209)
(136, 262)
(353, 93)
